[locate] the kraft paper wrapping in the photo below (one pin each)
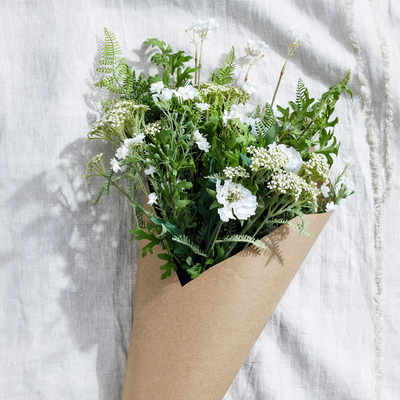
(188, 343)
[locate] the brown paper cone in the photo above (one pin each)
(188, 343)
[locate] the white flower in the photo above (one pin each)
(250, 87)
(150, 171)
(203, 106)
(302, 38)
(305, 38)
(187, 92)
(325, 190)
(256, 46)
(201, 141)
(156, 87)
(330, 206)
(152, 199)
(292, 29)
(236, 112)
(235, 172)
(130, 143)
(236, 199)
(122, 152)
(166, 95)
(204, 145)
(115, 165)
(295, 160)
(203, 28)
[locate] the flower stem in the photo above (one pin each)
(214, 238)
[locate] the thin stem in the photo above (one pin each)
(305, 130)
(211, 244)
(198, 72)
(277, 86)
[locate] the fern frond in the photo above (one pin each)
(183, 239)
(346, 79)
(269, 118)
(242, 238)
(301, 96)
(301, 226)
(112, 63)
(111, 45)
(224, 75)
(256, 113)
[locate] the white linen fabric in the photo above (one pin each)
(67, 268)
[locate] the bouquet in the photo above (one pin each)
(225, 185)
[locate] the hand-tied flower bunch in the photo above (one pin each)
(216, 178)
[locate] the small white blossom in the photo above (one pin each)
(115, 165)
(130, 143)
(236, 112)
(152, 128)
(301, 38)
(250, 87)
(165, 95)
(295, 161)
(331, 206)
(235, 172)
(237, 201)
(291, 184)
(156, 87)
(201, 141)
(187, 92)
(122, 152)
(203, 106)
(203, 28)
(152, 199)
(325, 190)
(150, 171)
(272, 159)
(256, 46)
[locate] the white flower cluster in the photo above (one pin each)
(256, 46)
(117, 115)
(295, 161)
(203, 28)
(238, 112)
(304, 38)
(236, 199)
(272, 159)
(209, 91)
(152, 128)
(285, 182)
(125, 150)
(202, 106)
(250, 87)
(235, 172)
(316, 169)
(201, 141)
(188, 92)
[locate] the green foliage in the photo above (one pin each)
(175, 73)
(309, 122)
(177, 162)
(112, 64)
(224, 75)
(243, 239)
(140, 234)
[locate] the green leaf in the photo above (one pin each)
(271, 134)
(141, 234)
(246, 160)
(224, 75)
(171, 228)
(168, 266)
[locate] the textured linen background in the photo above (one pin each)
(67, 271)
